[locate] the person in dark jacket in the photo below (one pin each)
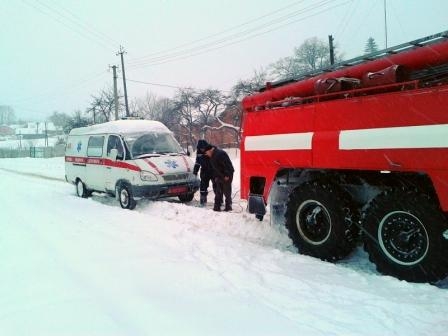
(203, 165)
(223, 170)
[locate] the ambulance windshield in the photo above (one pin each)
(152, 144)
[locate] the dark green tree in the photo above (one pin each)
(371, 46)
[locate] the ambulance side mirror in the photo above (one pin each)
(113, 154)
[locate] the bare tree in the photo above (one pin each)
(147, 107)
(209, 103)
(287, 67)
(7, 115)
(102, 107)
(156, 108)
(77, 120)
(245, 87)
(185, 103)
(312, 55)
(59, 119)
(134, 108)
(234, 126)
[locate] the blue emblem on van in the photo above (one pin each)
(78, 147)
(171, 164)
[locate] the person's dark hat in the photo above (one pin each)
(203, 145)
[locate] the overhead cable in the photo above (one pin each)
(222, 44)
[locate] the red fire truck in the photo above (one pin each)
(359, 150)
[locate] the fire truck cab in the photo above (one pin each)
(359, 150)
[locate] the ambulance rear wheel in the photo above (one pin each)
(126, 198)
(81, 189)
(186, 197)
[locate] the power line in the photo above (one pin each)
(165, 85)
(226, 39)
(73, 26)
(154, 84)
(209, 49)
(79, 21)
(343, 23)
(355, 32)
(132, 60)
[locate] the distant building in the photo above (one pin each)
(37, 130)
(224, 136)
(6, 130)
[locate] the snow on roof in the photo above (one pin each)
(26, 130)
(122, 127)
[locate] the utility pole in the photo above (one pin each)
(114, 68)
(330, 42)
(121, 52)
(46, 135)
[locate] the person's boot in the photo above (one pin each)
(203, 200)
(228, 208)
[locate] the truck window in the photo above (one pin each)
(95, 146)
(114, 142)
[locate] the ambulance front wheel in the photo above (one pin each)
(81, 189)
(126, 198)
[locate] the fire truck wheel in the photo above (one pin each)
(186, 197)
(406, 236)
(81, 189)
(320, 219)
(125, 197)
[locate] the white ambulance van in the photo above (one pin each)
(129, 159)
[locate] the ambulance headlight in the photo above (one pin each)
(147, 176)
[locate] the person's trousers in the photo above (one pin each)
(223, 190)
(205, 182)
(203, 188)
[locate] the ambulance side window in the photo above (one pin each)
(95, 146)
(114, 142)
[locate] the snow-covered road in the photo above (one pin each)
(73, 266)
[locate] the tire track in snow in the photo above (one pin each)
(34, 175)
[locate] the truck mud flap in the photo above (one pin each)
(256, 205)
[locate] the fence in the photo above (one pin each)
(33, 152)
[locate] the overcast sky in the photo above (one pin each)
(55, 54)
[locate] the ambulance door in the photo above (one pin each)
(95, 163)
(113, 165)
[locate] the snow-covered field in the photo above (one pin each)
(72, 266)
(27, 143)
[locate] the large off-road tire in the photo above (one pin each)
(125, 197)
(404, 236)
(81, 189)
(186, 197)
(321, 220)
